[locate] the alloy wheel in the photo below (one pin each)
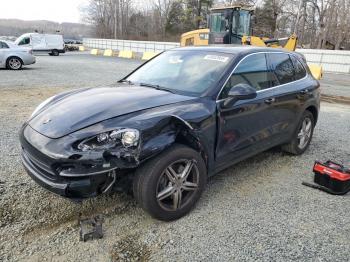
(305, 132)
(177, 184)
(15, 63)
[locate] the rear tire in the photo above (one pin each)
(14, 63)
(303, 135)
(169, 185)
(55, 52)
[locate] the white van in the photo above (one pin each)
(52, 44)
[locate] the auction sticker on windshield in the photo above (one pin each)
(216, 58)
(175, 60)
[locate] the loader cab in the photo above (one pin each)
(228, 25)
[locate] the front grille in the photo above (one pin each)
(44, 169)
(37, 160)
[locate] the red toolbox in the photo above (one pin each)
(332, 177)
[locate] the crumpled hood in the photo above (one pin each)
(89, 106)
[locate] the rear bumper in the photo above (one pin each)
(29, 60)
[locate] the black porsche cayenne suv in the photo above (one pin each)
(170, 124)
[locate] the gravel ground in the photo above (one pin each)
(256, 210)
(336, 84)
(78, 69)
(69, 70)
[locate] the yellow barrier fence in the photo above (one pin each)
(149, 55)
(108, 52)
(126, 54)
(94, 51)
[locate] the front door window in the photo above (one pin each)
(24, 41)
(252, 70)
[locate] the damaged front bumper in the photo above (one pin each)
(67, 173)
(73, 187)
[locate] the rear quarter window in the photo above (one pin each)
(300, 71)
(3, 45)
(283, 67)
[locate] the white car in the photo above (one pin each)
(14, 57)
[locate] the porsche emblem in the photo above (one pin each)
(46, 121)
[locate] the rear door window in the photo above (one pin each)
(253, 71)
(283, 67)
(299, 69)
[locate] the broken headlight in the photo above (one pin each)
(125, 136)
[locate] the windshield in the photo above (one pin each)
(218, 22)
(240, 23)
(185, 72)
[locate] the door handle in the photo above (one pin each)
(270, 100)
(304, 92)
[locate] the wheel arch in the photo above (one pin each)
(13, 56)
(55, 52)
(187, 136)
(313, 110)
(176, 131)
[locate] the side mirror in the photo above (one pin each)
(240, 92)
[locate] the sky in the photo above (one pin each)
(53, 10)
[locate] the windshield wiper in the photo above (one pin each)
(158, 87)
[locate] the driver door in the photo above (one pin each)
(246, 127)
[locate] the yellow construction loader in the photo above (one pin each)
(232, 25)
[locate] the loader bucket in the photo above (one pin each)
(316, 71)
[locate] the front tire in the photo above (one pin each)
(14, 63)
(169, 185)
(303, 136)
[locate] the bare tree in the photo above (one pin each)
(162, 9)
(318, 23)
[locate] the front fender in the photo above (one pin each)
(192, 123)
(177, 130)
